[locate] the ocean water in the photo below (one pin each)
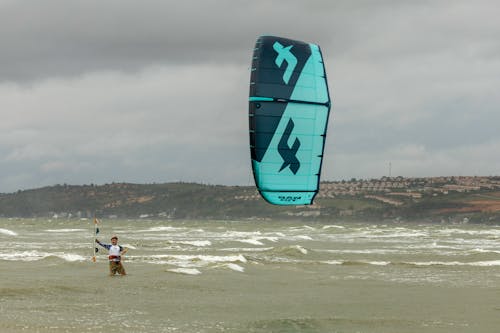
(241, 276)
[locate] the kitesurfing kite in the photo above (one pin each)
(289, 106)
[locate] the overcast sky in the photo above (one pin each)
(156, 91)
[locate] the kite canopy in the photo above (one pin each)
(289, 106)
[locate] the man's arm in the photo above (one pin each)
(106, 246)
(123, 250)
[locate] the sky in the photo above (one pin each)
(99, 91)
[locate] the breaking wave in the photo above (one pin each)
(38, 255)
(8, 232)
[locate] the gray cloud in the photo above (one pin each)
(69, 38)
(101, 91)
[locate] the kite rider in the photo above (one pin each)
(115, 254)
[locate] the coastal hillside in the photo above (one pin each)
(437, 199)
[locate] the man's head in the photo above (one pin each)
(114, 240)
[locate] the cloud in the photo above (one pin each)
(101, 91)
(61, 38)
(151, 122)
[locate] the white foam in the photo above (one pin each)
(436, 263)
(377, 263)
(373, 251)
(257, 240)
(333, 262)
(38, 255)
(64, 230)
(194, 260)
(490, 232)
(250, 241)
(235, 267)
(340, 262)
(187, 271)
(300, 248)
(480, 250)
(167, 228)
(22, 256)
(457, 263)
(8, 232)
(71, 257)
(486, 263)
(329, 226)
(269, 238)
(128, 246)
(240, 234)
(200, 243)
(197, 230)
(303, 228)
(247, 249)
(302, 237)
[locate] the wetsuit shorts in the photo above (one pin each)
(116, 267)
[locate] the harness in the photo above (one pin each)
(112, 258)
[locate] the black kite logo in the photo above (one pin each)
(289, 153)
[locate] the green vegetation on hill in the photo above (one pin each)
(197, 201)
(171, 200)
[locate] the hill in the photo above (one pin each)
(474, 199)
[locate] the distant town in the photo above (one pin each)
(391, 190)
(388, 189)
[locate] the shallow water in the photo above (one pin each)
(214, 276)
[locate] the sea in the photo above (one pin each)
(250, 276)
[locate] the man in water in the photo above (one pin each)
(115, 256)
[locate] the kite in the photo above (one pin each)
(289, 106)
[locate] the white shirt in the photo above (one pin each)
(114, 250)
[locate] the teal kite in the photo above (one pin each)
(289, 105)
